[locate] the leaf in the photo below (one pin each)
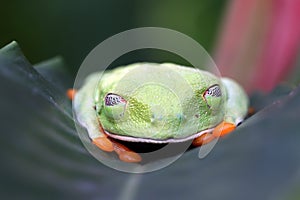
(17, 67)
(43, 158)
(54, 71)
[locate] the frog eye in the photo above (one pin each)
(115, 106)
(213, 91)
(212, 94)
(114, 99)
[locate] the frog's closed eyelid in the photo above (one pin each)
(214, 91)
(114, 99)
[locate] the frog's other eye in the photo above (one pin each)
(212, 94)
(114, 99)
(114, 106)
(213, 91)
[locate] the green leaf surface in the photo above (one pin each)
(43, 158)
(55, 72)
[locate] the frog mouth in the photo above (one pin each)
(156, 141)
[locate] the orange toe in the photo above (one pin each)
(70, 93)
(103, 143)
(203, 139)
(223, 129)
(125, 154)
(130, 156)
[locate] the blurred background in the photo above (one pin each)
(72, 29)
(249, 40)
(255, 42)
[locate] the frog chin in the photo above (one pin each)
(156, 141)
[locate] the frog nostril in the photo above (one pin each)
(155, 117)
(158, 114)
(179, 116)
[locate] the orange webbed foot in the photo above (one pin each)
(103, 143)
(203, 139)
(124, 153)
(222, 129)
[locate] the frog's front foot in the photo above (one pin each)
(221, 130)
(103, 143)
(124, 153)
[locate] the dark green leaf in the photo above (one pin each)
(43, 158)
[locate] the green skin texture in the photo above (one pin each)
(162, 103)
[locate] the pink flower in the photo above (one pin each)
(259, 42)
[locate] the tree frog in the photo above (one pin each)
(172, 104)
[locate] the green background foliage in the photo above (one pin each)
(71, 29)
